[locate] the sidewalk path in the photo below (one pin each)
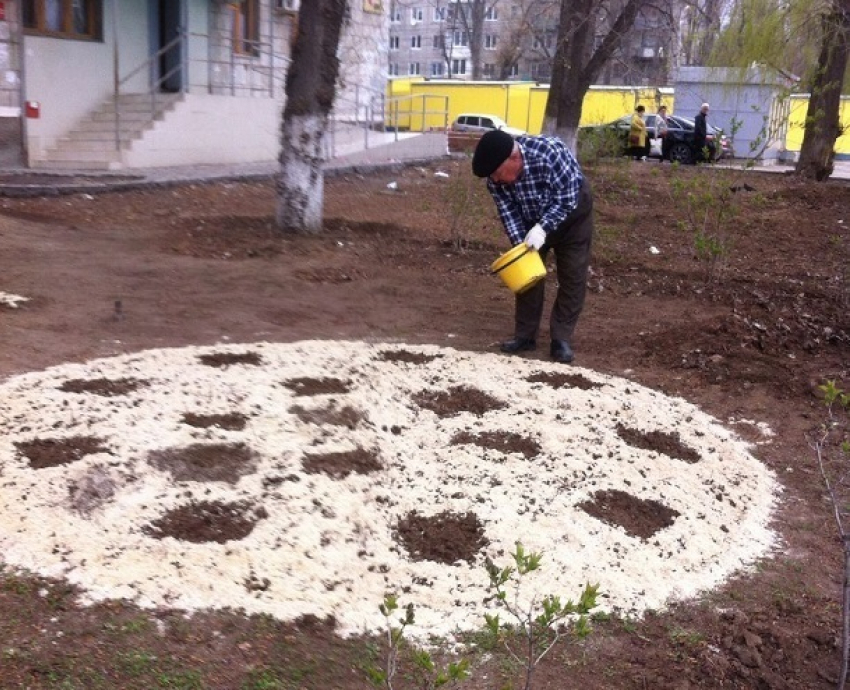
(387, 150)
(396, 149)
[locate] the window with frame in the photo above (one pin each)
(458, 67)
(416, 14)
(416, 42)
(246, 27)
(460, 38)
(393, 70)
(394, 42)
(514, 71)
(545, 41)
(437, 69)
(414, 68)
(76, 19)
(490, 41)
(439, 41)
(439, 14)
(491, 14)
(489, 70)
(395, 13)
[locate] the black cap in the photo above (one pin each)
(492, 150)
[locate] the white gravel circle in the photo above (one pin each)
(325, 546)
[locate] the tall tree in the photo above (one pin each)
(822, 126)
(700, 27)
(525, 34)
(579, 58)
(779, 34)
(468, 16)
(810, 38)
(310, 91)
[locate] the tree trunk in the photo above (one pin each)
(310, 90)
(476, 37)
(822, 126)
(577, 65)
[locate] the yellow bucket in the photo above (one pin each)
(519, 268)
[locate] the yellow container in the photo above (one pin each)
(519, 268)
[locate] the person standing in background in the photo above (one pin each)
(638, 139)
(700, 130)
(662, 129)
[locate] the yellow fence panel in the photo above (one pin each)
(418, 104)
(797, 124)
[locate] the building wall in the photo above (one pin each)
(211, 120)
(363, 61)
(643, 59)
(65, 92)
(11, 125)
(229, 73)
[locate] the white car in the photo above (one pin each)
(482, 122)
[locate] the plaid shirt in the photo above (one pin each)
(546, 191)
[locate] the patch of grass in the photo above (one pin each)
(17, 585)
(180, 680)
(137, 626)
(688, 638)
(137, 663)
(264, 679)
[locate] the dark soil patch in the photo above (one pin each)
(105, 387)
(53, 452)
(206, 462)
(456, 400)
(445, 538)
(310, 386)
(638, 517)
(331, 414)
(502, 441)
(207, 521)
(407, 357)
(557, 380)
(340, 465)
(227, 359)
(232, 421)
(659, 441)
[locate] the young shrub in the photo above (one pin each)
(540, 625)
(425, 673)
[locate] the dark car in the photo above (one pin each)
(680, 129)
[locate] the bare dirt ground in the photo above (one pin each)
(748, 336)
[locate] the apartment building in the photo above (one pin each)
(444, 39)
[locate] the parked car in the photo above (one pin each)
(482, 122)
(681, 129)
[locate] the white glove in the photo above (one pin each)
(535, 237)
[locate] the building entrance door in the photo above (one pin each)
(168, 27)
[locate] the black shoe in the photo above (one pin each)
(561, 351)
(518, 345)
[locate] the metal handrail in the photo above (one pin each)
(155, 84)
(366, 109)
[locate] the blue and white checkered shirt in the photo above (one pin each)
(546, 191)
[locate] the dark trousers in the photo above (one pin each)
(570, 244)
(666, 145)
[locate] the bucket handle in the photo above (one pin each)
(510, 263)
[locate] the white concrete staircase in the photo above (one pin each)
(91, 144)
